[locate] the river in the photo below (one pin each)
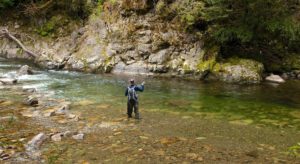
(98, 97)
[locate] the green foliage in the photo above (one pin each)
(268, 26)
(52, 25)
(6, 3)
(259, 24)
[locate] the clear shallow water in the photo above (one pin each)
(267, 104)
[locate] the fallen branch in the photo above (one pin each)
(7, 34)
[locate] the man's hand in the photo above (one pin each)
(143, 83)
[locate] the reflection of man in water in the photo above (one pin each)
(132, 102)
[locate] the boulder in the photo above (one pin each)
(32, 101)
(8, 81)
(136, 68)
(25, 70)
(275, 79)
(159, 57)
(237, 70)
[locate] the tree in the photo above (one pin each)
(271, 26)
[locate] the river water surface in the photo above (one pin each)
(264, 105)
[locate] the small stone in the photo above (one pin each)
(253, 153)
(8, 81)
(62, 110)
(22, 139)
(200, 138)
(4, 156)
(67, 134)
(49, 114)
(169, 140)
(1, 151)
(118, 133)
(36, 142)
(285, 76)
(57, 137)
(192, 156)
(78, 136)
(144, 137)
(32, 101)
(17, 26)
(29, 90)
(275, 79)
(71, 116)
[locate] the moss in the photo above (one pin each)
(251, 64)
(206, 65)
(20, 52)
(51, 26)
(210, 61)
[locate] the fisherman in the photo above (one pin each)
(132, 102)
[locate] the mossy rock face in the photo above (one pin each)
(208, 64)
(236, 70)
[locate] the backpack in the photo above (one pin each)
(131, 94)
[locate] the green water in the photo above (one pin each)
(264, 104)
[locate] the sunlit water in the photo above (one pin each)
(267, 104)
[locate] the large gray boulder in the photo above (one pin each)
(135, 68)
(237, 70)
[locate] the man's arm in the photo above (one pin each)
(140, 87)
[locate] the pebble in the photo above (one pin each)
(200, 138)
(56, 137)
(67, 134)
(78, 136)
(1, 151)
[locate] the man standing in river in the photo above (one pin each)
(132, 102)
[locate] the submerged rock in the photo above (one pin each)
(36, 142)
(25, 70)
(275, 79)
(8, 118)
(57, 137)
(29, 90)
(78, 136)
(8, 81)
(32, 101)
(63, 110)
(33, 146)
